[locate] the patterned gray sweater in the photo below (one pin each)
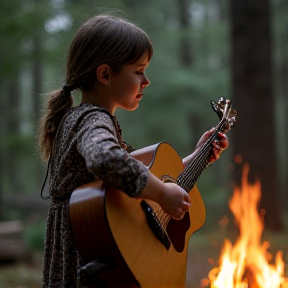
(88, 147)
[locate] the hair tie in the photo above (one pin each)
(68, 89)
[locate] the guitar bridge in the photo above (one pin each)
(155, 225)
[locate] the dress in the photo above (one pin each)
(88, 147)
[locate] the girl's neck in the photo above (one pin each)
(99, 99)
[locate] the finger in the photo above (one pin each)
(179, 215)
(220, 145)
(185, 206)
(216, 145)
(222, 135)
(223, 143)
(186, 197)
(212, 158)
(222, 140)
(215, 154)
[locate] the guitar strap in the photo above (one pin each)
(50, 156)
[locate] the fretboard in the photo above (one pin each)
(194, 169)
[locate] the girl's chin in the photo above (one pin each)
(131, 107)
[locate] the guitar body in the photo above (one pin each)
(109, 222)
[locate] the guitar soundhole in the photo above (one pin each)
(167, 179)
(176, 230)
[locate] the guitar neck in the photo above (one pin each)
(188, 178)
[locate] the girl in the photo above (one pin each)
(106, 61)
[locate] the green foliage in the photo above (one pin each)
(34, 235)
(39, 32)
(20, 22)
(20, 276)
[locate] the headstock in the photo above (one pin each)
(224, 110)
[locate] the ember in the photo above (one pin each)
(247, 264)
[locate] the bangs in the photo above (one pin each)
(135, 42)
(138, 46)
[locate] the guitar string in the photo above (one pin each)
(199, 156)
(198, 166)
(198, 161)
(161, 215)
(188, 179)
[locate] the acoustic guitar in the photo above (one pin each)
(147, 247)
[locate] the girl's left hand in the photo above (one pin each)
(218, 145)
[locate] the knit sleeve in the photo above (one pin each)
(104, 157)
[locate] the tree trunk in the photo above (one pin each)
(284, 101)
(253, 137)
(284, 82)
(2, 153)
(12, 131)
(185, 45)
(37, 76)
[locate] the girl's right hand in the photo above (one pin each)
(175, 201)
(172, 198)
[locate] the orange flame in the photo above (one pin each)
(248, 255)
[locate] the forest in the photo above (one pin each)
(203, 50)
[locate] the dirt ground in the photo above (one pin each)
(204, 251)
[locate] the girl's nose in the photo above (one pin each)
(145, 82)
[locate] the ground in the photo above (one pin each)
(204, 250)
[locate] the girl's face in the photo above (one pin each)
(126, 88)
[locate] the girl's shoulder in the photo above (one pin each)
(88, 110)
(88, 107)
(91, 115)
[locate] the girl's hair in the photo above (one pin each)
(104, 39)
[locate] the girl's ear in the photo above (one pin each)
(103, 74)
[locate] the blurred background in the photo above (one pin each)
(203, 49)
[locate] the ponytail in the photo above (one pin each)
(59, 103)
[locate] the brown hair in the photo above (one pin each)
(104, 39)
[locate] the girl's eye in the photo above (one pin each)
(140, 72)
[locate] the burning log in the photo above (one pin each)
(249, 278)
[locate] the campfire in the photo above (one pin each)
(247, 263)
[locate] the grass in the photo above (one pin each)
(21, 275)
